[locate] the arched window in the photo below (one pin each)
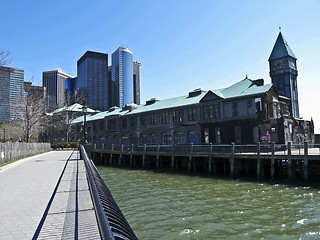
(166, 138)
(125, 140)
(179, 137)
(134, 139)
(154, 138)
(143, 138)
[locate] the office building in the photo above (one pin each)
(122, 77)
(92, 80)
(54, 83)
(136, 82)
(35, 92)
(11, 91)
(70, 85)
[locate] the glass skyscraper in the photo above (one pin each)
(92, 80)
(70, 85)
(11, 91)
(122, 77)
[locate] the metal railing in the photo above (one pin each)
(263, 148)
(111, 221)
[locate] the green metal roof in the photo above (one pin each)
(73, 108)
(281, 49)
(242, 88)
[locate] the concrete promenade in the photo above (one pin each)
(26, 187)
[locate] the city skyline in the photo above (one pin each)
(206, 44)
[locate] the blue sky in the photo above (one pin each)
(182, 44)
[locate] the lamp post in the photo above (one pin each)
(4, 134)
(84, 110)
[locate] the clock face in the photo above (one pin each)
(292, 65)
(278, 64)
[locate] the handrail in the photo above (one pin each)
(112, 223)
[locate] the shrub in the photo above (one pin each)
(65, 145)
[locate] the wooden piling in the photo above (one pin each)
(144, 156)
(172, 158)
(306, 162)
(190, 157)
(120, 157)
(210, 159)
(273, 148)
(112, 148)
(232, 160)
(290, 165)
(131, 154)
(258, 161)
(157, 157)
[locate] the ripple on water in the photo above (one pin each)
(165, 206)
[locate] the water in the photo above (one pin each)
(172, 206)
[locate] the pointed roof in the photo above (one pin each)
(281, 49)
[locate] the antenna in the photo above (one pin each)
(279, 28)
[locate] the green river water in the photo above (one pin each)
(174, 206)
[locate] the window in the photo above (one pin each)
(217, 111)
(133, 122)
(210, 112)
(177, 116)
(153, 119)
(142, 120)
(206, 135)
(94, 126)
(258, 105)
(124, 123)
(249, 107)
(234, 109)
(165, 117)
(101, 125)
(192, 114)
(205, 112)
(179, 137)
(166, 138)
(112, 124)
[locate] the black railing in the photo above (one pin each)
(263, 148)
(111, 221)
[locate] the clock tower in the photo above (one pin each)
(283, 72)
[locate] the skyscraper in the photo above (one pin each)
(11, 91)
(283, 72)
(92, 80)
(136, 82)
(122, 77)
(70, 85)
(54, 83)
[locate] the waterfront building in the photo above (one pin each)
(53, 81)
(92, 80)
(246, 112)
(70, 85)
(283, 72)
(122, 77)
(11, 91)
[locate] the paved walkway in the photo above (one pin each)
(26, 188)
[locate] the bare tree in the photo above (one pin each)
(31, 117)
(4, 57)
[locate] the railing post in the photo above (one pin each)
(131, 156)
(112, 148)
(273, 148)
(306, 161)
(290, 165)
(172, 157)
(232, 160)
(190, 157)
(210, 158)
(144, 155)
(157, 158)
(258, 161)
